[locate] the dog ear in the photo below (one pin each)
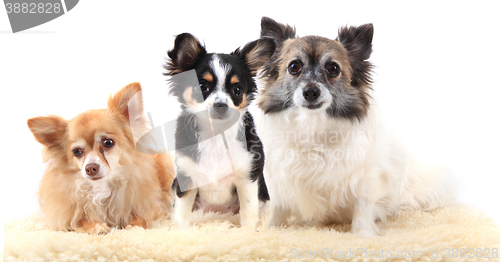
(49, 131)
(256, 53)
(127, 101)
(277, 31)
(358, 42)
(187, 50)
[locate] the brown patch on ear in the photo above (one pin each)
(234, 79)
(208, 77)
(49, 131)
(256, 53)
(120, 101)
(174, 71)
(263, 50)
(243, 103)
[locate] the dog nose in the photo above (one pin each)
(221, 108)
(92, 169)
(311, 93)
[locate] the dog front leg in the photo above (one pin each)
(183, 207)
(248, 193)
(363, 222)
(279, 216)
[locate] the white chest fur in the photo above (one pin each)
(314, 164)
(223, 160)
(330, 170)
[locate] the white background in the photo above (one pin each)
(437, 74)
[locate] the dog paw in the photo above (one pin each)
(129, 227)
(182, 223)
(137, 222)
(365, 231)
(249, 221)
(276, 223)
(250, 225)
(94, 228)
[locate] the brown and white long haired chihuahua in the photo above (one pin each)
(329, 157)
(96, 179)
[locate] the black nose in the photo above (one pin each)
(92, 169)
(220, 108)
(311, 93)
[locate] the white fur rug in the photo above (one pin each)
(416, 236)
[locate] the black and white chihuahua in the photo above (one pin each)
(219, 157)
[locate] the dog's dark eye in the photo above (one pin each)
(108, 143)
(294, 68)
(204, 87)
(333, 69)
(77, 152)
(237, 90)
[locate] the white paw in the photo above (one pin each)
(94, 229)
(275, 223)
(249, 223)
(130, 227)
(182, 222)
(277, 219)
(365, 230)
(364, 233)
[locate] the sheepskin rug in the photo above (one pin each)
(457, 233)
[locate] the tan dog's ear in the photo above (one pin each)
(256, 53)
(127, 101)
(49, 131)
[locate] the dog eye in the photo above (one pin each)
(108, 143)
(333, 69)
(77, 152)
(237, 90)
(204, 87)
(294, 68)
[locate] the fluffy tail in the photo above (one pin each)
(426, 187)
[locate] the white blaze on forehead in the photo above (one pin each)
(91, 158)
(221, 71)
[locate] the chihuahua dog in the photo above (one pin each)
(219, 157)
(329, 158)
(96, 179)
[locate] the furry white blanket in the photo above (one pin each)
(458, 233)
